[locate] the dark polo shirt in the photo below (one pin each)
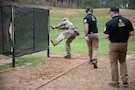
(92, 22)
(118, 28)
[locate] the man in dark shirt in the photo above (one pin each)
(118, 30)
(91, 36)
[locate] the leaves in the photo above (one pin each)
(79, 3)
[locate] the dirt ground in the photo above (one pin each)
(83, 77)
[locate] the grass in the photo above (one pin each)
(78, 45)
(27, 61)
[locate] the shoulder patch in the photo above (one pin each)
(85, 20)
(93, 18)
(104, 28)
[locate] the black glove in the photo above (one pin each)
(53, 27)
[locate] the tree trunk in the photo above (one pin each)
(0, 2)
(68, 3)
(77, 3)
(131, 4)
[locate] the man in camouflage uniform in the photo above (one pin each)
(70, 33)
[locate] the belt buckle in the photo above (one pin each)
(91, 32)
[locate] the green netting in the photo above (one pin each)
(23, 27)
(31, 32)
(5, 20)
(40, 29)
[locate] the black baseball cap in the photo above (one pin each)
(89, 9)
(114, 9)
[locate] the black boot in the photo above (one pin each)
(91, 61)
(125, 83)
(67, 57)
(94, 62)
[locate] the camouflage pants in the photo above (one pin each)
(70, 36)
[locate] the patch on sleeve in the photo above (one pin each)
(104, 29)
(85, 20)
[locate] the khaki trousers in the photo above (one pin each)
(117, 53)
(70, 36)
(93, 46)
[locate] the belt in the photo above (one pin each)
(118, 42)
(92, 32)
